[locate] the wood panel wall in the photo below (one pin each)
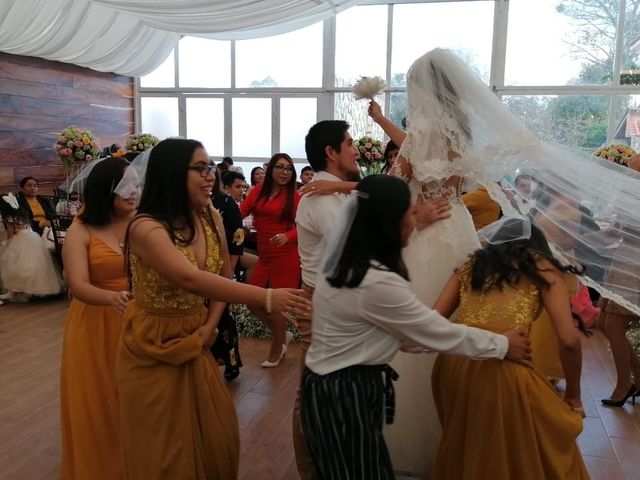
(39, 98)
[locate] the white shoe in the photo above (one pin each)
(288, 338)
(6, 296)
(268, 364)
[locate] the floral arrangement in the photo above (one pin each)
(616, 152)
(141, 142)
(76, 146)
(250, 327)
(370, 154)
(368, 87)
(633, 334)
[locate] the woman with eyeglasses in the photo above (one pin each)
(273, 204)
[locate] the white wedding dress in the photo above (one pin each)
(431, 257)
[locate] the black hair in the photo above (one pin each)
(223, 167)
(165, 196)
(287, 215)
(229, 177)
(131, 155)
(328, 133)
(387, 154)
(7, 211)
(306, 169)
(522, 176)
(253, 171)
(26, 179)
(376, 232)
(227, 160)
(507, 263)
(99, 191)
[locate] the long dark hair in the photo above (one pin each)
(376, 233)
(391, 147)
(496, 265)
(165, 196)
(98, 191)
(287, 214)
(253, 171)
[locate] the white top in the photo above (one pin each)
(314, 218)
(367, 325)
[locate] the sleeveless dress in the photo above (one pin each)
(431, 256)
(506, 418)
(177, 417)
(91, 446)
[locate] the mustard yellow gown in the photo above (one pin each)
(91, 446)
(501, 420)
(177, 417)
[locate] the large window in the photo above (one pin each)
(562, 66)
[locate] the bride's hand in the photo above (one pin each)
(375, 111)
(431, 211)
(326, 187)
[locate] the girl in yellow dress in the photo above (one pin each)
(95, 270)
(502, 420)
(177, 417)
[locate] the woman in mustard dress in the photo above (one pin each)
(177, 418)
(502, 420)
(95, 270)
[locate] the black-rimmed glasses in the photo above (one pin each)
(283, 168)
(203, 170)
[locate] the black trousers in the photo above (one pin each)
(342, 416)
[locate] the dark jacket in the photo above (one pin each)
(25, 210)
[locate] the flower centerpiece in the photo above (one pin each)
(141, 142)
(370, 155)
(616, 152)
(76, 146)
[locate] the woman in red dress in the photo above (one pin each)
(273, 204)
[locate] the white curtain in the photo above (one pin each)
(133, 37)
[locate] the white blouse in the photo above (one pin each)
(367, 325)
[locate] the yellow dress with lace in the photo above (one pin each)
(501, 420)
(178, 420)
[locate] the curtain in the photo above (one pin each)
(133, 37)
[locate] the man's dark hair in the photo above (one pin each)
(306, 169)
(328, 133)
(229, 177)
(227, 160)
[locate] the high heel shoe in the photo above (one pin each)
(633, 393)
(268, 364)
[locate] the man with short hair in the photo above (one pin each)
(306, 175)
(233, 184)
(332, 156)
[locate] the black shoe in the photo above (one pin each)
(633, 393)
(231, 373)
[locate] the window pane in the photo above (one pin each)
(297, 115)
(204, 63)
(628, 121)
(159, 116)
(465, 27)
(398, 108)
(574, 120)
(631, 44)
(361, 43)
(290, 60)
(251, 127)
(548, 45)
(163, 76)
(354, 112)
(205, 122)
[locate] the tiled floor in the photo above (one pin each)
(30, 341)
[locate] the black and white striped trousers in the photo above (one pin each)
(342, 417)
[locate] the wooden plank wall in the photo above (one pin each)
(39, 98)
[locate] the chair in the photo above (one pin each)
(59, 226)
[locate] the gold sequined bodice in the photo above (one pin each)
(498, 310)
(152, 291)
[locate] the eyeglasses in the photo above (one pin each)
(204, 170)
(283, 168)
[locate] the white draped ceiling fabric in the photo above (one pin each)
(133, 37)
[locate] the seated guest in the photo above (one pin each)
(306, 175)
(26, 266)
(233, 184)
(69, 206)
(34, 207)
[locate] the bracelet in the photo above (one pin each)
(268, 301)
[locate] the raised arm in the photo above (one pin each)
(396, 134)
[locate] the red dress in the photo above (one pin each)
(277, 267)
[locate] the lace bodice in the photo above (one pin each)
(495, 310)
(152, 291)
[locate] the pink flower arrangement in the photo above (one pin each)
(370, 154)
(76, 146)
(616, 152)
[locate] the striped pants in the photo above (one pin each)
(342, 417)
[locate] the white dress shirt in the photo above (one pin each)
(367, 325)
(314, 218)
